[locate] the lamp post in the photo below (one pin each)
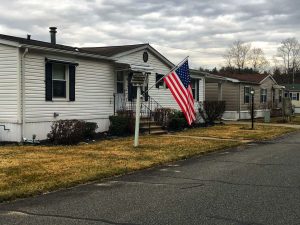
(252, 108)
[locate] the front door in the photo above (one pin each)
(120, 102)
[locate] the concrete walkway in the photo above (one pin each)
(211, 138)
(264, 124)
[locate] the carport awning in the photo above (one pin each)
(276, 86)
(141, 68)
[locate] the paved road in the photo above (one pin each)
(255, 184)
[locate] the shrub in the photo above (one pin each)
(120, 125)
(68, 132)
(211, 111)
(177, 121)
(90, 130)
(162, 116)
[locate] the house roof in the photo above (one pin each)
(247, 78)
(122, 50)
(107, 52)
(292, 87)
(113, 50)
(37, 43)
(287, 78)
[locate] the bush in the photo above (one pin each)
(120, 125)
(68, 132)
(162, 116)
(90, 130)
(177, 121)
(212, 111)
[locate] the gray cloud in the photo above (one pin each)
(201, 29)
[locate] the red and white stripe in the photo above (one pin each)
(182, 95)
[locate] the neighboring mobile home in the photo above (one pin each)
(42, 82)
(236, 92)
(293, 92)
(291, 82)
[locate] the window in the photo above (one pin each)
(286, 94)
(263, 95)
(295, 96)
(247, 94)
(120, 82)
(161, 82)
(59, 81)
(280, 95)
(195, 88)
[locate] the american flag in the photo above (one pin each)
(179, 83)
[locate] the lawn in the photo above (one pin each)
(240, 132)
(294, 120)
(30, 170)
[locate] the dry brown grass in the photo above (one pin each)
(240, 132)
(28, 170)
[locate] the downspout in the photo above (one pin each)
(23, 93)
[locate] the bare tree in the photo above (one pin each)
(237, 55)
(257, 59)
(289, 53)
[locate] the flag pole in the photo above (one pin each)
(166, 74)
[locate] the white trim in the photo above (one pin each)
(90, 55)
(268, 77)
(9, 43)
(144, 47)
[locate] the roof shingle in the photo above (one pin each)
(247, 78)
(112, 50)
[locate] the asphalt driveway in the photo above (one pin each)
(252, 184)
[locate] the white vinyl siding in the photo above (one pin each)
(93, 90)
(162, 95)
(9, 84)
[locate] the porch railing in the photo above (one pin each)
(151, 110)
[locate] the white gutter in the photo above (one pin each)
(23, 94)
(77, 53)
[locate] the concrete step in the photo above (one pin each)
(158, 132)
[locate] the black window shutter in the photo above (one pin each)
(197, 90)
(147, 93)
(245, 101)
(48, 81)
(72, 70)
(130, 96)
(297, 96)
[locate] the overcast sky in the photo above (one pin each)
(176, 28)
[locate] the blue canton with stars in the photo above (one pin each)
(183, 73)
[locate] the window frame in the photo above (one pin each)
(280, 94)
(66, 97)
(160, 84)
(247, 94)
(263, 95)
(195, 89)
(120, 82)
(295, 96)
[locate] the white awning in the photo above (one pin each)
(141, 68)
(276, 86)
(134, 67)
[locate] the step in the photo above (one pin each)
(152, 127)
(146, 123)
(158, 132)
